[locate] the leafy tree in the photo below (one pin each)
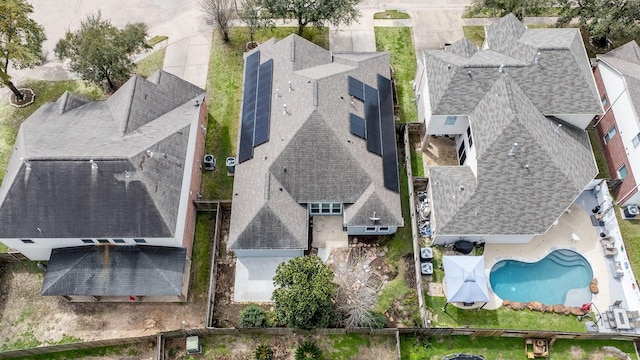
(607, 21)
(221, 12)
(101, 52)
(21, 40)
(251, 15)
(519, 8)
(304, 293)
(253, 316)
(315, 12)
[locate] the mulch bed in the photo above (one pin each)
(29, 97)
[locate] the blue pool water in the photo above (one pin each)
(547, 281)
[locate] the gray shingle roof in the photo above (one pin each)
(626, 60)
(134, 192)
(507, 198)
(115, 271)
(324, 161)
(560, 82)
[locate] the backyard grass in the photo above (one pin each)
(417, 165)
(474, 33)
(502, 318)
(11, 118)
(150, 64)
(224, 86)
(398, 41)
(391, 14)
(201, 255)
(596, 145)
(401, 243)
(434, 348)
(630, 230)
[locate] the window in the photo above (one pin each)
(87, 241)
(622, 172)
(370, 228)
(604, 100)
(383, 228)
(27, 241)
(325, 208)
(462, 155)
(636, 140)
(103, 241)
(451, 120)
(336, 208)
(469, 136)
(118, 241)
(140, 241)
(610, 134)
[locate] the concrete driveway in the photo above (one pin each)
(434, 23)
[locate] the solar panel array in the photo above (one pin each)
(256, 105)
(377, 127)
(387, 127)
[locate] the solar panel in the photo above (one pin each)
(245, 151)
(263, 103)
(372, 119)
(358, 127)
(356, 88)
(387, 127)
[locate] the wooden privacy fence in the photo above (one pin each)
(220, 207)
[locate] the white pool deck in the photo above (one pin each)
(576, 220)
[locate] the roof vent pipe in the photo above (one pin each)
(557, 128)
(501, 69)
(537, 58)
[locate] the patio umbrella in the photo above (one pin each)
(465, 278)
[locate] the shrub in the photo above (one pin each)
(308, 350)
(264, 352)
(379, 321)
(253, 316)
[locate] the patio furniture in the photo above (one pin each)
(612, 323)
(621, 319)
(633, 314)
(608, 242)
(608, 252)
(635, 324)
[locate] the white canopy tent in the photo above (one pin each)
(466, 280)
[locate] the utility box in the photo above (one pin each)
(631, 211)
(193, 345)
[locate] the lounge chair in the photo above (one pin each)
(633, 314)
(612, 323)
(609, 252)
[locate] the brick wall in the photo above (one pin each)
(194, 187)
(614, 152)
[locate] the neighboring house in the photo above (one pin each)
(517, 109)
(104, 191)
(317, 138)
(618, 77)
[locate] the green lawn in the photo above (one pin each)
(398, 41)
(224, 86)
(501, 318)
(434, 348)
(11, 118)
(630, 230)
(603, 170)
(391, 14)
(477, 12)
(474, 33)
(150, 64)
(201, 255)
(417, 165)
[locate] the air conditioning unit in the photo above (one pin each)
(426, 268)
(631, 211)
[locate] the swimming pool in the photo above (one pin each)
(562, 277)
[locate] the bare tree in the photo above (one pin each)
(221, 12)
(252, 16)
